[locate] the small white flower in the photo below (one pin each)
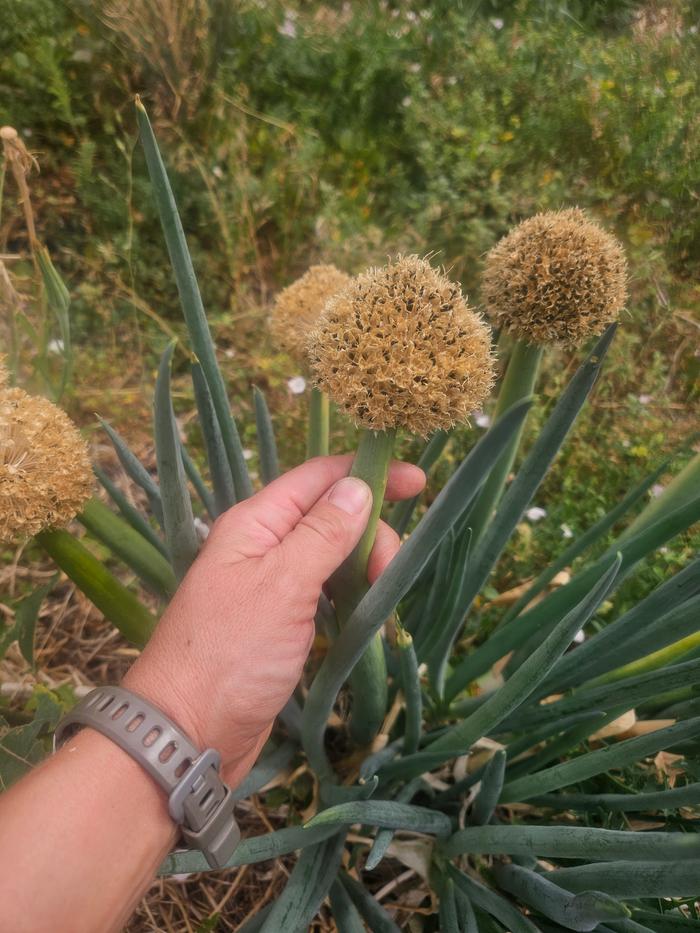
(217, 171)
(230, 353)
(496, 22)
(656, 490)
(482, 420)
(566, 531)
(288, 27)
(663, 550)
(535, 513)
(406, 102)
(201, 528)
(247, 453)
(414, 67)
(55, 346)
(625, 443)
(579, 636)
(296, 385)
(644, 399)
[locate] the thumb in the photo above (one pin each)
(326, 535)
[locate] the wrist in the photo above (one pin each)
(184, 703)
(109, 770)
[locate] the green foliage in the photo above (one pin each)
(542, 748)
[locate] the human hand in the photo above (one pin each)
(232, 644)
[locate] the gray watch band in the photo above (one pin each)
(197, 797)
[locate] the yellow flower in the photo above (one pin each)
(556, 277)
(400, 347)
(45, 474)
(297, 307)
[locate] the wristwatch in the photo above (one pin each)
(198, 800)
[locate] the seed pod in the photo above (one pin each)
(45, 474)
(555, 278)
(400, 347)
(297, 307)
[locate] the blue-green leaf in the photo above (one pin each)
(385, 594)
(200, 487)
(583, 541)
(491, 903)
(374, 915)
(191, 302)
(132, 515)
(672, 799)
(307, 887)
(402, 512)
(251, 850)
(345, 914)
(221, 477)
(490, 791)
(387, 814)
(264, 771)
(632, 879)
(137, 472)
(267, 446)
(539, 620)
(618, 755)
(516, 690)
(576, 842)
(180, 533)
(581, 912)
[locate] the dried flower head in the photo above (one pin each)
(45, 474)
(297, 307)
(556, 277)
(400, 347)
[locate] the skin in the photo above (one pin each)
(84, 833)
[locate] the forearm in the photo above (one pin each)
(81, 839)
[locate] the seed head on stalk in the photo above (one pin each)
(557, 277)
(45, 474)
(400, 347)
(297, 307)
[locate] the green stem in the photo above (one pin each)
(518, 383)
(136, 552)
(319, 421)
(119, 605)
(368, 680)
(410, 684)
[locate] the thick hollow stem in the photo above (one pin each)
(368, 680)
(319, 420)
(518, 383)
(119, 605)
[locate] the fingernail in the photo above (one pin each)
(351, 495)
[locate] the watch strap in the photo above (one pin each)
(198, 799)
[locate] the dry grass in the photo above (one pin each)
(169, 37)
